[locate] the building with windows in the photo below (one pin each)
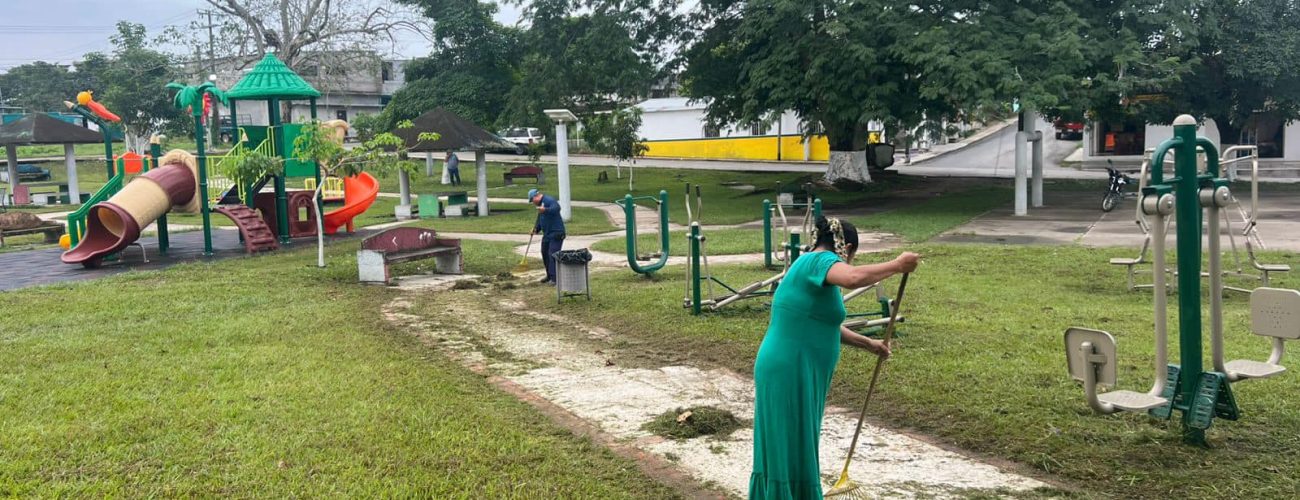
(363, 85)
(674, 127)
(1278, 141)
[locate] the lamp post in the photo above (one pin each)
(562, 117)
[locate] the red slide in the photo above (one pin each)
(359, 193)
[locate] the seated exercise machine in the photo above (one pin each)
(1092, 355)
(1249, 220)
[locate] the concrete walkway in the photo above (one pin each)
(1077, 218)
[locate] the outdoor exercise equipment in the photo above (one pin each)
(699, 276)
(1249, 223)
(812, 208)
(629, 211)
(1201, 395)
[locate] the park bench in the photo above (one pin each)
(52, 231)
(406, 244)
(525, 171)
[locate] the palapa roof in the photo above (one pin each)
(40, 128)
(271, 79)
(457, 134)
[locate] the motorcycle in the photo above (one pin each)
(1115, 188)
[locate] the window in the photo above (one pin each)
(310, 70)
(341, 114)
(1266, 131)
(386, 71)
(756, 129)
(711, 132)
(1126, 138)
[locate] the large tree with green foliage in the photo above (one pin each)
(589, 55)
(38, 86)
(132, 83)
(841, 65)
(470, 70)
(1245, 59)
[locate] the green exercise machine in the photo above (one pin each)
(1199, 394)
(629, 211)
(774, 252)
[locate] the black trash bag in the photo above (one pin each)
(579, 256)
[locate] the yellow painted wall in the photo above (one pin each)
(740, 148)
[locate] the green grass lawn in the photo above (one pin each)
(980, 366)
(719, 242)
(519, 218)
(202, 380)
(928, 218)
(25, 242)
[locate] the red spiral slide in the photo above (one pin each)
(359, 192)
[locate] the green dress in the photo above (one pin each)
(791, 376)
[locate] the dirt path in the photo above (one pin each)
(579, 370)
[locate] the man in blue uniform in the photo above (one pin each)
(551, 226)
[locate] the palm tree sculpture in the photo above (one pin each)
(191, 97)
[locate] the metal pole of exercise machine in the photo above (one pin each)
(767, 233)
(695, 266)
(1186, 187)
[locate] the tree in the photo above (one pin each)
(588, 56)
(131, 82)
(1245, 59)
(471, 69)
(318, 142)
(325, 33)
(38, 86)
(614, 134)
(840, 65)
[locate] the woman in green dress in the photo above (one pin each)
(798, 355)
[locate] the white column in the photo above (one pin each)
(480, 165)
(428, 164)
(11, 154)
(1022, 170)
(403, 210)
(807, 149)
(1036, 185)
(562, 151)
(446, 176)
(70, 161)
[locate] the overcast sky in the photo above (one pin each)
(63, 30)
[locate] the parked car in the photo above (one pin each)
(523, 136)
(27, 173)
(1069, 130)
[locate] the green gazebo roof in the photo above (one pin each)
(271, 79)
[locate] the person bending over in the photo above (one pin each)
(792, 371)
(551, 227)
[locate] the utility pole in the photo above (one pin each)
(214, 125)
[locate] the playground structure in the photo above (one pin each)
(101, 227)
(1249, 232)
(1275, 313)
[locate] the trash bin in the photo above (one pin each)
(571, 277)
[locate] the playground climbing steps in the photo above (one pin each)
(256, 234)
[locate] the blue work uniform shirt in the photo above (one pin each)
(549, 222)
